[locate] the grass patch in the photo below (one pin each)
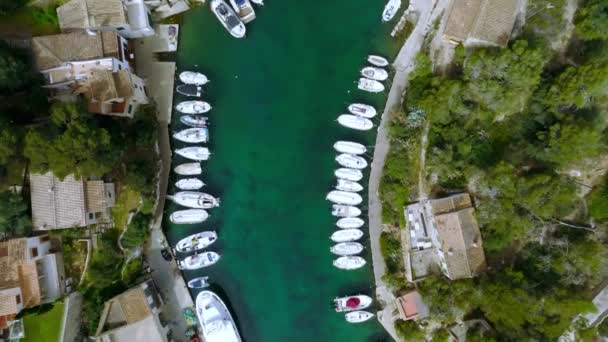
(128, 200)
(43, 325)
(37, 21)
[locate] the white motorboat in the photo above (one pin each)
(349, 262)
(350, 147)
(215, 319)
(358, 316)
(363, 110)
(351, 161)
(195, 200)
(194, 153)
(196, 261)
(244, 9)
(355, 122)
(350, 222)
(374, 73)
(188, 169)
(189, 216)
(196, 242)
(347, 248)
(190, 90)
(352, 303)
(228, 18)
(390, 10)
(378, 61)
(193, 121)
(189, 184)
(346, 235)
(349, 174)
(370, 85)
(193, 135)
(193, 107)
(192, 77)
(340, 210)
(346, 185)
(258, 2)
(344, 197)
(199, 283)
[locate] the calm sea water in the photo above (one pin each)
(275, 96)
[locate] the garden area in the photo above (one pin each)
(43, 323)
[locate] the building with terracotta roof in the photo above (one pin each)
(31, 273)
(69, 203)
(133, 316)
(411, 307)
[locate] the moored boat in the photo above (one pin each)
(352, 303)
(215, 319)
(341, 210)
(189, 90)
(199, 283)
(350, 222)
(194, 153)
(189, 184)
(349, 174)
(193, 107)
(374, 73)
(344, 197)
(350, 147)
(192, 77)
(378, 61)
(197, 261)
(193, 121)
(346, 185)
(370, 85)
(351, 161)
(228, 18)
(189, 216)
(347, 248)
(188, 169)
(196, 242)
(258, 2)
(349, 262)
(355, 122)
(346, 235)
(195, 200)
(363, 110)
(391, 8)
(358, 316)
(193, 135)
(244, 10)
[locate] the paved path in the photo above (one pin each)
(72, 317)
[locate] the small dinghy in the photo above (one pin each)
(193, 107)
(349, 262)
(346, 235)
(195, 200)
(350, 222)
(390, 10)
(188, 169)
(352, 303)
(189, 216)
(363, 110)
(340, 210)
(358, 316)
(347, 248)
(190, 90)
(350, 147)
(355, 122)
(193, 135)
(351, 161)
(193, 121)
(374, 73)
(194, 153)
(344, 197)
(189, 184)
(370, 85)
(349, 174)
(199, 283)
(378, 61)
(350, 186)
(191, 77)
(196, 261)
(196, 242)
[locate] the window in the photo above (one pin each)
(4, 252)
(18, 299)
(91, 216)
(34, 252)
(119, 66)
(45, 238)
(130, 110)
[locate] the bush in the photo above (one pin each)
(137, 232)
(409, 331)
(132, 271)
(390, 247)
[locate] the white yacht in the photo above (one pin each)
(244, 9)
(378, 61)
(370, 85)
(374, 73)
(228, 18)
(349, 174)
(343, 197)
(351, 161)
(358, 316)
(350, 222)
(352, 303)
(363, 110)
(193, 135)
(340, 210)
(355, 122)
(346, 235)
(215, 319)
(189, 90)
(347, 248)
(198, 283)
(258, 2)
(189, 216)
(188, 169)
(194, 153)
(349, 262)
(391, 8)
(350, 147)
(194, 121)
(346, 185)
(196, 261)
(192, 77)
(196, 242)
(195, 200)
(193, 107)
(189, 184)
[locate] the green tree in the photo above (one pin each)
(409, 331)
(598, 202)
(8, 145)
(568, 143)
(12, 67)
(137, 232)
(14, 217)
(578, 86)
(8, 6)
(591, 20)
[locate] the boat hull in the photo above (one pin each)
(352, 175)
(350, 186)
(215, 319)
(378, 61)
(370, 85)
(374, 73)
(346, 235)
(198, 261)
(347, 248)
(350, 222)
(363, 110)
(196, 242)
(349, 262)
(358, 316)
(189, 184)
(340, 210)
(349, 147)
(344, 197)
(194, 121)
(193, 107)
(355, 122)
(196, 153)
(352, 303)
(351, 161)
(231, 22)
(199, 283)
(191, 77)
(188, 169)
(193, 135)
(195, 200)
(190, 216)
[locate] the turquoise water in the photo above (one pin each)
(275, 96)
